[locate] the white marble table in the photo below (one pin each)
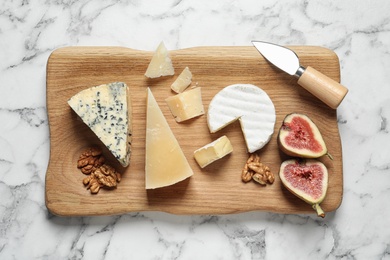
(358, 31)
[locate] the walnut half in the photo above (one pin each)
(103, 177)
(247, 174)
(90, 159)
(92, 184)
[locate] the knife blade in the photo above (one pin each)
(324, 88)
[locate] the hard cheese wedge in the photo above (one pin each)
(165, 163)
(107, 110)
(161, 63)
(251, 106)
(213, 151)
(183, 81)
(186, 105)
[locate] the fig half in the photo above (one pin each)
(300, 137)
(306, 179)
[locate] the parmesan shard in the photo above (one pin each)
(186, 105)
(182, 81)
(251, 106)
(106, 109)
(161, 63)
(165, 162)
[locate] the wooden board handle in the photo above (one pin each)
(323, 87)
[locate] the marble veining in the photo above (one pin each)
(359, 33)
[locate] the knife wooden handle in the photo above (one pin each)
(323, 87)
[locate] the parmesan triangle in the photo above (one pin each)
(161, 63)
(165, 163)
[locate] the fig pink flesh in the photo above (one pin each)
(306, 178)
(301, 135)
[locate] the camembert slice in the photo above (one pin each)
(251, 106)
(213, 151)
(165, 163)
(186, 105)
(161, 63)
(107, 110)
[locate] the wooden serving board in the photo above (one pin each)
(218, 188)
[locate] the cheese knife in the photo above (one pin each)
(326, 89)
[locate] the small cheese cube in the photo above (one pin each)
(161, 63)
(213, 151)
(183, 81)
(186, 105)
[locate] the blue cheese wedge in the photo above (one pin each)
(106, 109)
(251, 106)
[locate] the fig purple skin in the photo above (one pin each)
(300, 137)
(306, 179)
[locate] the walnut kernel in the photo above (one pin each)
(90, 159)
(100, 175)
(246, 174)
(254, 169)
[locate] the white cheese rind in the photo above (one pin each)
(183, 81)
(165, 162)
(186, 105)
(161, 63)
(213, 151)
(251, 106)
(107, 110)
